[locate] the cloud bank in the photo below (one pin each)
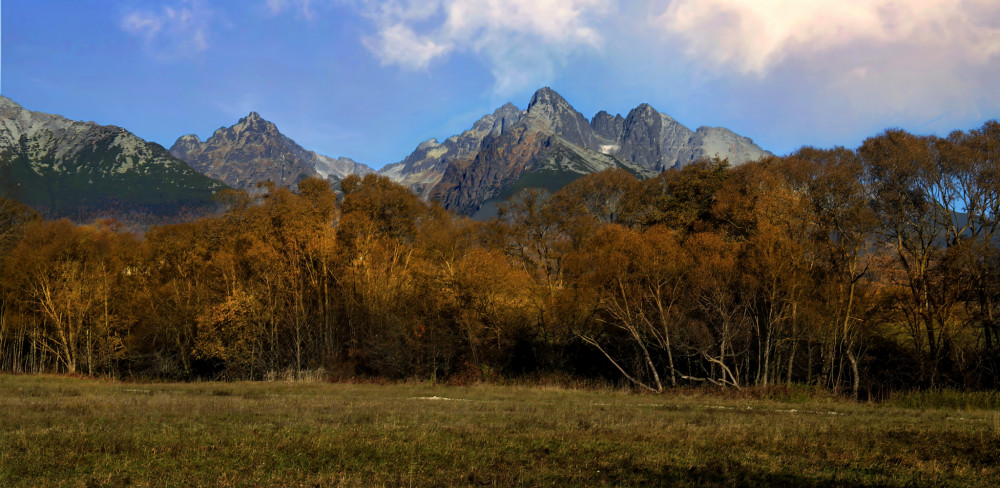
(524, 41)
(918, 61)
(754, 36)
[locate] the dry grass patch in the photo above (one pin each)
(57, 431)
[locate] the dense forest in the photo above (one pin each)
(859, 271)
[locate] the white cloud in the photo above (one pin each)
(524, 41)
(754, 36)
(142, 23)
(836, 65)
(178, 30)
(398, 44)
(304, 8)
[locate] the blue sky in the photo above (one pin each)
(371, 79)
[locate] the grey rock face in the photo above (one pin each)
(658, 142)
(426, 165)
(552, 143)
(607, 127)
(253, 151)
(719, 142)
(549, 111)
(501, 119)
(185, 145)
(338, 168)
(640, 140)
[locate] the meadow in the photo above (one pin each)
(63, 431)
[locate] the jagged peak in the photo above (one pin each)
(252, 117)
(643, 108)
(546, 96)
(189, 138)
(254, 122)
(428, 144)
(605, 114)
(506, 108)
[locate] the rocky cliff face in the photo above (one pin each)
(719, 142)
(253, 151)
(59, 164)
(608, 128)
(550, 112)
(338, 168)
(502, 159)
(427, 164)
(550, 144)
(651, 139)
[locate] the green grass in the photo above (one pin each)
(57, 431)
(976, 400)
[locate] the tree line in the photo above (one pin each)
(860, 270)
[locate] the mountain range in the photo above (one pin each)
(48, 160)
(547, 147)
(550, 144)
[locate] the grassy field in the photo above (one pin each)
(58, 431)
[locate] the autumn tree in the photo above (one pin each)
(914, 200)
(67, 275)
(844, 241)
(641, 279)
(772, 219)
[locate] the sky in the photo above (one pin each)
(372, 79)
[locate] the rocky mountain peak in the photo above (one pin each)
(502, 118)
(253, 122)
(644, 111)
(189, 139)
(428, 144)
(549, 111)
(62, 165)
(184, 145)
(254, 150)
(608, 127)
(547, 99)
(507, 109)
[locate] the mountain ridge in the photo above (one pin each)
(645, 142)
(52, 162)
(253, 150)
(507, 148)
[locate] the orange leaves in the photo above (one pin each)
(230, 331)
(603, 197)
